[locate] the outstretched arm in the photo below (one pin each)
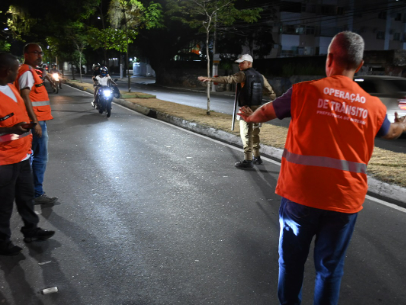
(397, 128)
(269, 111)
(239, 77)
(263, 114)
(268, 89)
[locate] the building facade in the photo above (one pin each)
(306, 27)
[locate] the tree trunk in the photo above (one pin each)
(214, 69)
(208, 72)
(128, 71)
(80, 64)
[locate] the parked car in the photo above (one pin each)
(391, 90)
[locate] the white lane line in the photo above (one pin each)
(390, 205)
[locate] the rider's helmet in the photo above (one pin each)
(95, 66)
(104, 71)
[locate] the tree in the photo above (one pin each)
(4, 35)
(159, 46)
(19, 22)
(205, 15)
(75, 32)
(126, 18)
(256, 36)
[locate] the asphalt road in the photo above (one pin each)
(149, 213)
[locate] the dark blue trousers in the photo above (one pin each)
(333, 231)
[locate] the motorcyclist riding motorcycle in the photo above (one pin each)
(56, 75)
(103, 87)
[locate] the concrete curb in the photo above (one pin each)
(388, 192)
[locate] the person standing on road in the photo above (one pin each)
(15, 170)
(323, 180)
(250, 86)
(38, 106)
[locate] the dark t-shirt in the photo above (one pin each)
(96, 72)
(282, 110)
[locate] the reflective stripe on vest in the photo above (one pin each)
(37, 104)
(344, 165)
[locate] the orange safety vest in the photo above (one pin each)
(38, 94)
(11, 113)
(330, 141)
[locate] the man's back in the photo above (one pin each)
(329, 144)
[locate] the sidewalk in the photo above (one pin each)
(377, 188)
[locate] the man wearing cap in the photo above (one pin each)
(250, 86)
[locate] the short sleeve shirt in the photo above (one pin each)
(103, 81)
(26, 80)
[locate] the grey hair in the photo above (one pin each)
(348, 49)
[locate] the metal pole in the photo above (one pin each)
(234, 108)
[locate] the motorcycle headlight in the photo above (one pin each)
(107, 93)
(55, 76)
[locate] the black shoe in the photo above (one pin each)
(44, 199)
(9, 249)
(38, 234)
(244, 164)
(257, 160)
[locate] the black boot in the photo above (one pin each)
(257, 160)
(244, 164)
(37, 234)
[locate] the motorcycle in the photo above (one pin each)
(57, 81)
(104, 98)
